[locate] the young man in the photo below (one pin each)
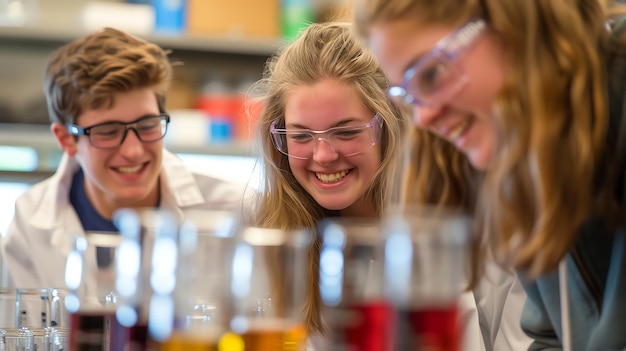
(106, 99)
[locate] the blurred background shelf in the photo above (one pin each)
(54, 36)
(223, 48)
(223, 45)
(232, 63)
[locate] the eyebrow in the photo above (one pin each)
(341, 123)
(422, 55)
(133, 121)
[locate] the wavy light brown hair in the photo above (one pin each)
(438, 174)
(86, 73)
(552, 112)
(323, 51)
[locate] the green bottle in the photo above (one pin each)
(295, 16)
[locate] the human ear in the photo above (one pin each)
(66, 141)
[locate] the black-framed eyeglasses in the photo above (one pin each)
(110, 135)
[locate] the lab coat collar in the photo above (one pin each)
(56, 196)
(55, 213)
(178, 185)
(178, 190)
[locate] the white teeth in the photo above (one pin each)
(332, 177)
(455, 133)
(129, 170)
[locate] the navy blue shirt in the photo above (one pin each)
(91, 220)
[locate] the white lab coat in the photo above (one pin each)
(491, 313)
(40, 236)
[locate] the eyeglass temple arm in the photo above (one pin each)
(75, 130)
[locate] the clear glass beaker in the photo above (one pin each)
(33, 308)
(59, 315)
(91, 294)
(61, 339)
(352, 285)
(8, 317)
(43, 338)
(13, 339)
(204, 250)
(426, 266)
(267, 290)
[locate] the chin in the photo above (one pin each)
(479, 162)
(331, 205)
(133, 195)
(479, 165)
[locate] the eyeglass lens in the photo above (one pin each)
(437, 76)
(431, 83)
(346, 141)
(112, 134)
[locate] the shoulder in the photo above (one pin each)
(32, 209)
(40, 209)
(215, 188)
(37, 195)
(200, 188)
(225, 195)
(53, 191)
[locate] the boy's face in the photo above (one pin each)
(122, 176)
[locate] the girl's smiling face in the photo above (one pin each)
(334, 180)
(464, 117)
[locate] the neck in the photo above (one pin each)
(106, 205)
(360, 209)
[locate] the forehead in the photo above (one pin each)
(398, 44)
(126, 107)
(324, 104)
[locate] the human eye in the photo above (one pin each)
(299, 136)
(347, 133)
(104, 131)
(430, 78)
(150, 124)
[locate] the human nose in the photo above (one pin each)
(131, 145)
(425, 116)
(324, 152)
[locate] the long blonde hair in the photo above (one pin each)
(552, 112)
(323, 51)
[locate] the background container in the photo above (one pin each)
(170, 16)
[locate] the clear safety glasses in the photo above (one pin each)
(345, 140)
(436, 76)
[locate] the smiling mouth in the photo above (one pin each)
(331, 177)
(130, 170)
(459, 130)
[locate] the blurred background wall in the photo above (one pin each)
(223, 45)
